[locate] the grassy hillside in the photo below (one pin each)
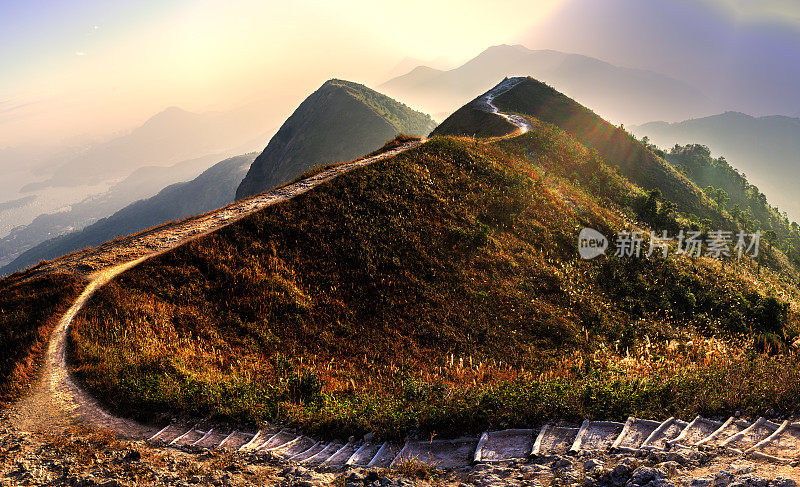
(440, 290)
(29, 311)
(732, 192)
(339, 122)
(621, 150)
(214, 188)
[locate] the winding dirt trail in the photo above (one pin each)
(56, 401)
(486, 102)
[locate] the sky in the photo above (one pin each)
(73, 67)
(91, 67)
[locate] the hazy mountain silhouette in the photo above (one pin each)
(766, 149)
(16, 203)
(619, 94)
(750, 67)
(408, 63)
(339, 122)
(142, 183)
(212, 189)
(168, 137)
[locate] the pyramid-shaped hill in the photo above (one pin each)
(537, 100)
(339, 122)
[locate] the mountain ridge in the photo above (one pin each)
(616, 92)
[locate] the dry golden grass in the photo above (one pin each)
(29, 310)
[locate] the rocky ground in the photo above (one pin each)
(86, 457)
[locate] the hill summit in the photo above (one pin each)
(338, 122)
(532, 98)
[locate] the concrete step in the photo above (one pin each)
(500, 446)
(597, 435)
(441, 453)
(635, 432)
(667, 430)
(554, 440)
(699, 429)
(364, 454)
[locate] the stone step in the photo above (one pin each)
(634, 434)
(729, 428)
(166, 434)
(253, 442)
(189, 437)
(385, 455)
(235, 440)
(291, 448)
(276, 440)
(342, 455)
(211, 438)
(668, 430)
(364, 454)
(783, 446)
(440, 453)
(750, 436)
(309, 452)
(323, 454)
(779, 442)
(597, 435)
(695, 432)
(501, 446)
(554, 440)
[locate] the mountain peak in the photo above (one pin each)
(340, 121)
(169, 115)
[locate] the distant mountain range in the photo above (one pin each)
(213, 189)
(751, 66)
(171, 136)
(143, 183)
(52, 191)
(339, 122)
(617, 93)
(766, 149)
